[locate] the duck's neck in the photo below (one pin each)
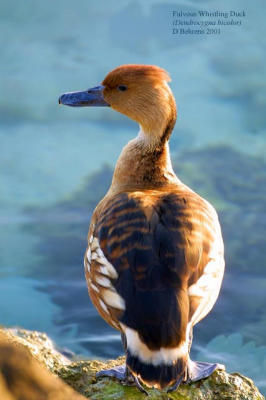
(143, 165)
(145, 161)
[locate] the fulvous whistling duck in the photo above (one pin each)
(154, 262)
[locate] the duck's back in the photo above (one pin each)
(154, 266)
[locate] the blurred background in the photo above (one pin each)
(56, 162)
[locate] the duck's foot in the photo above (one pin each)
(122, 373)
(119, 372)
(140, 387)
(197, 370)
(176, 385)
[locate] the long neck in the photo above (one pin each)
(145, 161)
(141, 166)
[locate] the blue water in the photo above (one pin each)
(56, 163)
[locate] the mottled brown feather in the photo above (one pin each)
(184, 229)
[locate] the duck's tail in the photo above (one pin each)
(156, 368)
(158, 376)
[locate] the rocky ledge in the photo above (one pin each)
(36, 362)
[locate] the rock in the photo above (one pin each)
(220, 386)
(24, 378)
(39, 345)
(81, 376)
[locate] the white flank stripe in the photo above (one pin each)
(94, 244)
(100, 260)
(103, 281)
(103, 306)
(208, 285)
(155, 357)
(109, 270)
(97, 254)
(113, 299)
(94, 287)
(89, 255)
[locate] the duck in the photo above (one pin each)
(154, 263)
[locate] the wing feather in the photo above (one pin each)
(159, 245)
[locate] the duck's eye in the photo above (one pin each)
(122, 88)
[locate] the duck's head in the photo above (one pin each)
(139, 91)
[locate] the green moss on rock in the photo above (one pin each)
(80, 375)
(220, 386)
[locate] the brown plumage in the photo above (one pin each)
(154, 262)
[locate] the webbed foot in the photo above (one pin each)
(119, 372)
(197, 370)
(122, 373)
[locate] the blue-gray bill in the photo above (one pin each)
(88, 98)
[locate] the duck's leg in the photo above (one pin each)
(124, 341)
(121, 372)
(176, 385)
(197, 370)
(139, 386)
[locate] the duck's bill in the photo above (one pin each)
(88, 98)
